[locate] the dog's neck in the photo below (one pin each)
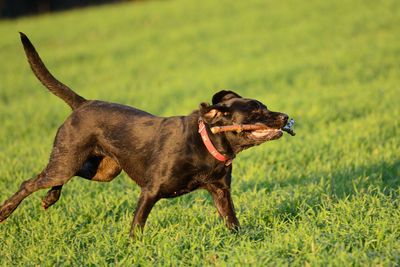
(205, 136)
(219, 141)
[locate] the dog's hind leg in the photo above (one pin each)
(64, 162)
(102, 169)
(51, 197)
(41, 181)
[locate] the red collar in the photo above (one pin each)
(209, 145)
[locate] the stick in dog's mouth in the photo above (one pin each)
(252, 127)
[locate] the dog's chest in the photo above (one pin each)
(203, 173)
(191, 179)
(209, 176)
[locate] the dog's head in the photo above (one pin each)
(229, 108)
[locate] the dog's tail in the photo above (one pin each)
(47, 79)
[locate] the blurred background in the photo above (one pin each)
(17, 8)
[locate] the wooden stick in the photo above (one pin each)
(239, 127)
(247, 127)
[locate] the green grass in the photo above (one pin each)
(329, 196)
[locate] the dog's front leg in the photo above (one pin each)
(146, 202)
(223, 202)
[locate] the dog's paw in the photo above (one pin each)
(45, 204)
(50, 198)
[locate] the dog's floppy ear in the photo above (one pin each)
(211, 114)
(223, 96)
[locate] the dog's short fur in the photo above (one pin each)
(166, 157)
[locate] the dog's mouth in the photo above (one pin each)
(264, 134)
(267, 133)
(258, 132)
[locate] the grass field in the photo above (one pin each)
(329, 196)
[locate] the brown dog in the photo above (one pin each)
(166, 157)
